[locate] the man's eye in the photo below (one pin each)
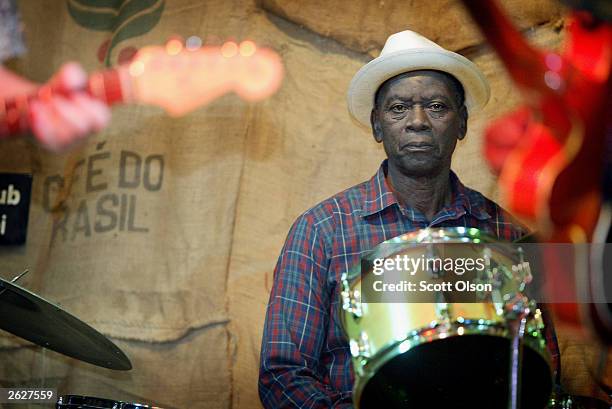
(436, 106)
(398, 109)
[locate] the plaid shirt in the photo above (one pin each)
(305, 358)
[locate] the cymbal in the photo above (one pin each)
(31, 317)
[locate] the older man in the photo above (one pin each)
(416, 97)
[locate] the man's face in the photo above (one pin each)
(418, 120)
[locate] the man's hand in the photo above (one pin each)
(62, 113)
(68, 114)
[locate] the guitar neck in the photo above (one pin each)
(111, 86)
(176, 79)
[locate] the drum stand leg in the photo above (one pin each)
(517, 319)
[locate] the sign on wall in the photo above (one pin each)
(15, 190)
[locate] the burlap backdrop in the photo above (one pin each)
(179, 278)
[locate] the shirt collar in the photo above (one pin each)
(472, 201)
(379, 196)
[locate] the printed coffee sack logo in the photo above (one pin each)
(15, 193)
(105, 193)
(123, 19)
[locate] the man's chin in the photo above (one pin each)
(420, 168)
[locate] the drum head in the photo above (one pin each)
(469, 371)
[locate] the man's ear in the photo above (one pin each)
(463, 115)
(376, 129)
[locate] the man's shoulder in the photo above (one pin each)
(478, 199)
(348, 202)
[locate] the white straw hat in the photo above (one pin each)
(409, 51)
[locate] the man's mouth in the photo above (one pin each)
(417, 147)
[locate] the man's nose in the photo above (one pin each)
(418, 120)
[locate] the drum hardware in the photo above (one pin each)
(496, 296)
(443, 312)
(433, 271)
(360, 347)
(562, 400)
(517, 313)
(15, 279)
(516, 362)
(485, 276)
(351, 299)
(18, 276)
(521, 272)
(91, 402)
(497, 275)
(562, 403)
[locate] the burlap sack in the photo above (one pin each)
(163, 233)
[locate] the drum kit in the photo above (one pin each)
(434, 349)
(439, 349)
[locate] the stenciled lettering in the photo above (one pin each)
(100, 210)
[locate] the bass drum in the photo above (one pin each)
(91, 402)
(424, 353)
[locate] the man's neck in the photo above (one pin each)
(428, 194)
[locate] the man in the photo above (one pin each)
(60, 119)
(415, 96)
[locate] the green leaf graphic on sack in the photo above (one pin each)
(124, 19)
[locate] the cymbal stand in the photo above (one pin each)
(517, 319)
(15, 279)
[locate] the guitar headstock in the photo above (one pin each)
(180, 79)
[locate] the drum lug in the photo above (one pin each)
(360, 347)
(495, 275)
(351, 299)
(490, 273)
(520, 305)
(538, 321)
(430, 253)
(522, 271)
(443, 312)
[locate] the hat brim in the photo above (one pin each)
(366, 81)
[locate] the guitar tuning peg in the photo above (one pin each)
(174, 46)
(247, 48)
(136, 68)
(229, 49)
(193, 43)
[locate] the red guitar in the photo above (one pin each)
(553, 174)
(173, 77)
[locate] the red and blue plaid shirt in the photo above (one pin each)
(305, 357)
